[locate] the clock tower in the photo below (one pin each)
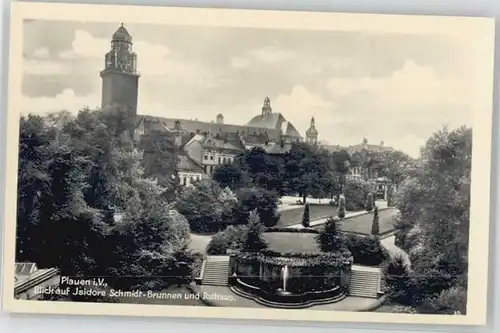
(120, 79)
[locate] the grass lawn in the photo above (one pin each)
(363, 224)
(291, 242)
(294, 216)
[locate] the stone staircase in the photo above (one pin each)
(216, 271)
(365, 282)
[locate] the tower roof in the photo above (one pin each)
(122, 35)
(312, 131)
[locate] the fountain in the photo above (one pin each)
(285, 271)
(285, 274)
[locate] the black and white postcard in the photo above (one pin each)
(246, 164)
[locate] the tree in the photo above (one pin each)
(394, 165)
(160, 160)
(207, 207)
(375, 224)
(390, 202)
(435, 201)
(341, 213)
(77, 173)
(369, 160)
(369, 202)
(229, 175)
(341, 161)
(355, 193)
(33, 180)
(330, 239)
(305, 216)
(306, 170)
(265, 202)
(261, 170)
(252, 239)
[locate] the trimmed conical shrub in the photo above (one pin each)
(341, 213)
(375, 224)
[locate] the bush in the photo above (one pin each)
(305, 217)
(366, 250)
(369, 202)
(341, 212)
(449, 301)
(402, 226)
(375, 224)
(257, 198)
(226, 239)
(330, 239)
(207, 207)
(197, 264)
(397, 280)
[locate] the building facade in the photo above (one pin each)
(202, 145)
(210, 151)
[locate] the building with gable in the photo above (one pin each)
(202, 145)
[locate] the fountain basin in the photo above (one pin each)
(284, 299)
(292, 278)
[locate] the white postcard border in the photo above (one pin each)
(481, 34)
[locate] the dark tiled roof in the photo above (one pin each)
(195, 126)
(289, 130)
(256, 139)
(270, 121)
(186, 164)
(223, 143)
(274, 121)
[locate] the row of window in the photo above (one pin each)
(220, 160)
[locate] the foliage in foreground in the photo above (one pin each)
(74, 174)
(433, 224)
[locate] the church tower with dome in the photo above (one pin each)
(120, 79)
(312, 133)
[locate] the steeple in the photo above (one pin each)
(120, 80)
(266, 108)
(312, 133)
(121, 57)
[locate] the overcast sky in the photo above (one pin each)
(386, 87)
